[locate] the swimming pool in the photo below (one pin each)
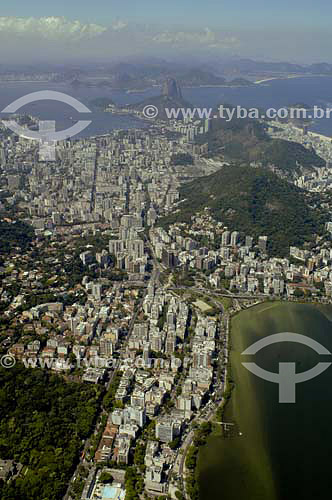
(112, 493)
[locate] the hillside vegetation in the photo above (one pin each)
(43, 421)
(246, 140)
(255, 202)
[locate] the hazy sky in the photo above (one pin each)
(291, 30)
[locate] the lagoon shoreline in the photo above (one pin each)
(251, 466)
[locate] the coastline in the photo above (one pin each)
(230, 452)
(315, 134)
(219, 86)
(320, 136)
(287, 77)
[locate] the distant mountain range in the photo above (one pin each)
(254, 202)
(248, 66)
(234, 72)
(133, 78)
(141, 73)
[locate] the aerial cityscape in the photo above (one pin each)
(165, 214)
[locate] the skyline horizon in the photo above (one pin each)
(143, 58)
(120, 32)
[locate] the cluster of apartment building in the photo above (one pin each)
(242, 259)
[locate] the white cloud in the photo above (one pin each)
(34, 38)
(62, 29)
(51, 28)
(119, 25)
(207, 38)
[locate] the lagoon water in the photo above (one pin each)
(285, 450)
(275, 93)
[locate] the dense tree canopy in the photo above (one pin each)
(14, 234)
(42, 424)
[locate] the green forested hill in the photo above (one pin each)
(42, 423)
(246, 140)
(253, 201)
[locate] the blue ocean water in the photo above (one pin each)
(276, 93)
